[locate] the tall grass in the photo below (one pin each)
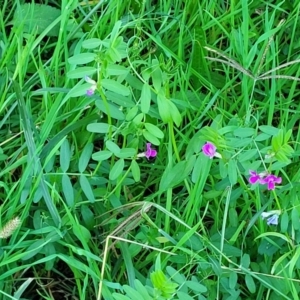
(84, 214)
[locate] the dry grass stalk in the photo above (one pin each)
(10, 228)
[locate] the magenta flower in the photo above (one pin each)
(150, 152)
(270, 181)
(254, 177)
(264, 178)
(210, 150)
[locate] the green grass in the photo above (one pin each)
(84, 215)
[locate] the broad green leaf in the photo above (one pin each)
(223, 169)
(125, 101)
(154, 130)
(120, 297)
(138, 119)
(67, 189)
(233, 278)
(88, 217)
(38, 195)
(174, 112)
(115, 87)
(86, 188)
(244, 132)
(284, 222)
(262, 137)
(232, 171)
(112, 147)
(113, 110)
(117, 53)
(81, 72)
(247, 155)
(81, 58)
(65, 155)
(101, 155)
(250, 283)
(151, 138)
(136, 172)
(184, 296)
(133, 294)
(33, 249)
(91, 43)
(163, 108)
(35, 18)
(116, 70)
(175, 275)
(216, 266)
(156, 75)
(145, 98)
(270, 130)
(142, 290)
(131, 113)
(81, 232)
(239, 142)
(85, 157)
(196, 286)
(49, 250)
(126, 153)
(117, 169)
(295, 218)
(245, 261)
(100, 127)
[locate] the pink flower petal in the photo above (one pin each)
(150, 152)
(209, 149)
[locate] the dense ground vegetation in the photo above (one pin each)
(149, 149)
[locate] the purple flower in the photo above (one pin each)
(272, 216)
(210, 150)
(270, 180)
(90, 92)
(150, 152)
(255, 177)
(273, 220)
(264, 178)
(93, 87)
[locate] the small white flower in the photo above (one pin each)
(272, 216)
